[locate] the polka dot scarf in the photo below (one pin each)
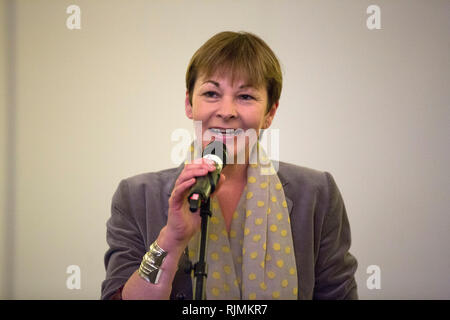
(255, 260)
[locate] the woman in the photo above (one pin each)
(278, 235)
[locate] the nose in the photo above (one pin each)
(227, 109)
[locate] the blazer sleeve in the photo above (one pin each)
(335, 266)
(126, 244)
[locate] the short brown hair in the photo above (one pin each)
(244, 55)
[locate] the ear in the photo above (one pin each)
(269, 116)
(188, 106)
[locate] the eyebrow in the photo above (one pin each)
(218, 85)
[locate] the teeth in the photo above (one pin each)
(226, 131)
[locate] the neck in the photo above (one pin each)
(232, 176)
(235, 172)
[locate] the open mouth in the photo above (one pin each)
(226, 131)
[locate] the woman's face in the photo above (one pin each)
(234, 114)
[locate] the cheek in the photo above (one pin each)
(254, 121)
(200, 112)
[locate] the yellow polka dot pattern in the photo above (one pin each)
(255, 259)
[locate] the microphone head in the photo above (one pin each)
(218, 149)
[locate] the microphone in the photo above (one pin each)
(204, 186)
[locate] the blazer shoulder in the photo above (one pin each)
(146, 177)
(162, 179)
(300, 176)
(134, 191)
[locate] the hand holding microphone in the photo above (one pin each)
(199, 178)
(205, 185)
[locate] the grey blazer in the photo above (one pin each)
(320, 230)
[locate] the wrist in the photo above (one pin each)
(150, 268)
(168, 241)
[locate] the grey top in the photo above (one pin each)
(320, 231)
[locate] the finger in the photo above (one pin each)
(194, 171)
(206, 163)
(189, 174)
(200, 161)
(178, 195)
(197, 161)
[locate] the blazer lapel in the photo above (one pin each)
(285, 183)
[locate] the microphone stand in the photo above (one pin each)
(214, 149)
(200, 268)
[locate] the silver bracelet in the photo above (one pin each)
(151, 263)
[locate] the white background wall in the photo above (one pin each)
(95, 105)
(3, 150)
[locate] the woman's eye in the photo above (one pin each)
(210, 94)
(246, 97)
